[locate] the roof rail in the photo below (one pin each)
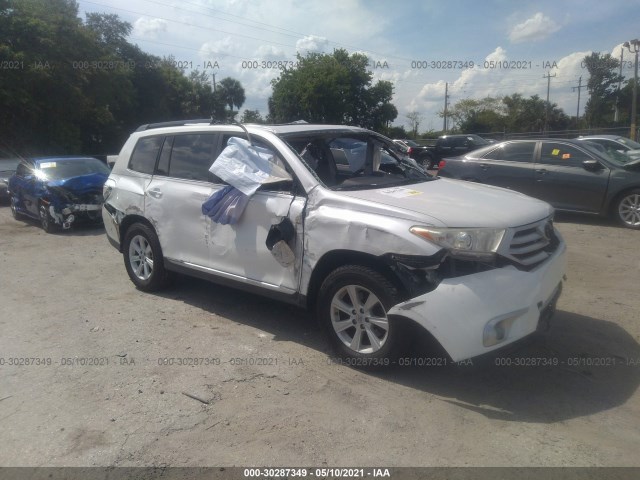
(176, 123)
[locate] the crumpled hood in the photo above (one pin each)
(81, 184)
(458, 203)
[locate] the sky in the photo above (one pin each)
(422, 47)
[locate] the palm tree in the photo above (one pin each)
(232, 92)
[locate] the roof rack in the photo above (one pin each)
(176, 123)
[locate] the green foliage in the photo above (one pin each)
(332, 88)
(251, 116)
(81, 87)
(512, 113)
(602, 86)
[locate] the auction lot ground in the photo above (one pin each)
(66, 299)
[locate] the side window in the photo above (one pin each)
(561, 154)
(144, 155)
(192, 156)
(273, 187)
(513, 152)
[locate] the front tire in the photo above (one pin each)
(627, 209)
(143, 258)
(46, 220)
(352, 306)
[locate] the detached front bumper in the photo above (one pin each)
(478, 313)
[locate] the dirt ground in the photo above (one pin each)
(101, 387)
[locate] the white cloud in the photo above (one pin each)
(535, 28)
(269, 52)
(218, 49)
(312, 43)
(149, 27)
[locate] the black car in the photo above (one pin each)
(571, 175)
(58, 191)
(7, 168)
(420, 153)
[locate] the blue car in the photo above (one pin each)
(58, 191)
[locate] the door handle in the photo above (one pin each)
(155, 193)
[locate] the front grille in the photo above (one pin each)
(530, 245)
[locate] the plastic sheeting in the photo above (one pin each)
(246, 167)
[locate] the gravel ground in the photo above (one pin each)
(266, 391)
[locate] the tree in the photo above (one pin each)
(232, 92)
(527, 114)
(478, 116)
(414, 122)
(251, 116)
(332, 88)
(602, 86)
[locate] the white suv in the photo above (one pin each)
(373, 240)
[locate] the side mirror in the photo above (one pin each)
(591, 165)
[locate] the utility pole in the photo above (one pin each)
(446, 99)
(213, 79)
(634, 47)
(615, 115)
(579, 87)
(548, 76)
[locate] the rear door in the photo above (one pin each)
(562, 180)
(509, 165)
(174, 198)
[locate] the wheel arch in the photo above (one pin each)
(613, 201)
(338, 258)
(130, 220)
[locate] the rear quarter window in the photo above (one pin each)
(145, 153)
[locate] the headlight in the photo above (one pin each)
(472, 243)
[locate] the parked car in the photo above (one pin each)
(453, 145)
(367, 249)
(416, 151)
(614, 143)
(7, 168)
(571, 175)
(58, 191)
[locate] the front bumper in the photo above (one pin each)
(475, 314)
(70, 213)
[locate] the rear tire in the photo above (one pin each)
(352, 307)
(143, 258)
(14, 210)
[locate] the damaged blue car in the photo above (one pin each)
(58, 191)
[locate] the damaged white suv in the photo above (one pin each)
(333, 218)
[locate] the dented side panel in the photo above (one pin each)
(338, 223)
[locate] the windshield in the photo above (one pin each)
(477, 140)
(356, 162)
(629, 143)
(609, 154)
(411, 143)
(59, 169)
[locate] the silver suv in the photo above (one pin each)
(347, 227)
